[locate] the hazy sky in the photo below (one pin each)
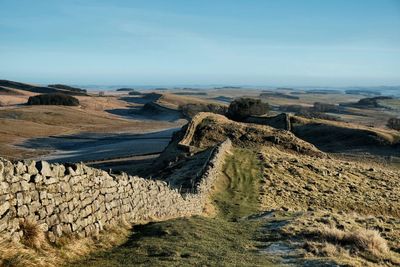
(258, 42)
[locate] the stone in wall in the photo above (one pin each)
(79, 200)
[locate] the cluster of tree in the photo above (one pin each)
(68, 88)
(394, 123)
(190, 93)
(369, 102)
(316, 111)
(53, 99)
(135, 93)
(317, 107)
(310, 114)
(125, 89)
(362, 92)
(292, 108)
(266, 94)
(190, 110)
(325, 107)
(372, 101)
(239, 109)
(323, 92)
(242, 108)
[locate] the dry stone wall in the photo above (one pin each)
(281, 121)
(79, 200)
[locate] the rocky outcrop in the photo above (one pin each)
(79, 200)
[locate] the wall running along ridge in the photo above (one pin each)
(79, 200)
(280, 121)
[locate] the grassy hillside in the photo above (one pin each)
(222, 239)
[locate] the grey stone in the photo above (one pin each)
(25, 186)
(57, 230)
(8, 169)
(1, 170)
(4, 207)
(4, 188)
(20, 168)
(31, 167)
(44, 168)
(38, 178)
(23, 211)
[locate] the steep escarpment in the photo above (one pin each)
(335, 136)
(189, 147)
(343, 137)
(207, 129)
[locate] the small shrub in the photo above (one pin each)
(331, 234)
(361, 239)
(53, 99)
(310, 114)
(242, 108)
(325, 107)
(369, 240)
(134, 92)
(292, 108)
(372, 101)
(33, 235)
(322, 249)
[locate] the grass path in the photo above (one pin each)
(223, 240)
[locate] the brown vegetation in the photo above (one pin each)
(38, 252)
(53, 99)
(394, 123)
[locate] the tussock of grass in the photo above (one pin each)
(35, 250)
(357, 245)
(362, 239)
(325, 249)
(33, 235)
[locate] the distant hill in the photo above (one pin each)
(369, 102)
(9, 85)
(125, 89)
(6, 91)
(66, 87)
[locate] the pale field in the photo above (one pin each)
(20, 123)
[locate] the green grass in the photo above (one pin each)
(224, 240)
(238, 188)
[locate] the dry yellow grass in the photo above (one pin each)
(362, 239)
(30, 253)
(21, 123)
(33, 235)
(346, 238)
(389, 135)
(303, 182)
(174, 101)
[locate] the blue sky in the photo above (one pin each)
(236, 42)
